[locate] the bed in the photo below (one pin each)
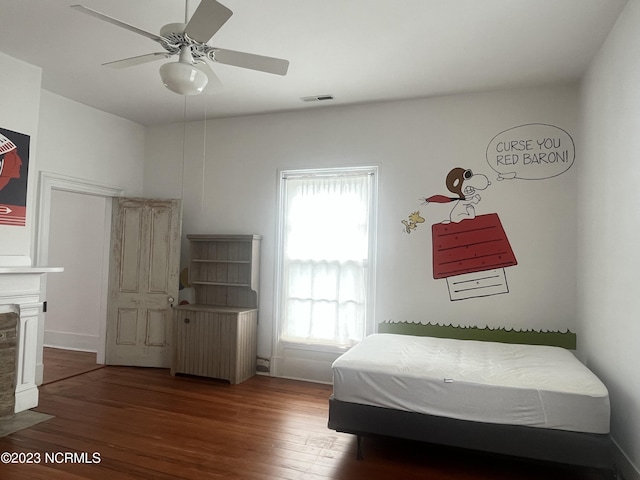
(530, 401)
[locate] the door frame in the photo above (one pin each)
(48, 182)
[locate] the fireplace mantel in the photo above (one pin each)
(18, 270)
(22, 286)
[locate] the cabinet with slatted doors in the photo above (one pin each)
(216, 336)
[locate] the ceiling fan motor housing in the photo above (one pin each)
(168, 29)
(174, 38)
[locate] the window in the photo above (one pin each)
(326, 266)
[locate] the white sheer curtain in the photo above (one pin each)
(325, 254)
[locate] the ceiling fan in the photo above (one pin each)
(191, 74)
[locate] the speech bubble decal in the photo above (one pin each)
(531, 152)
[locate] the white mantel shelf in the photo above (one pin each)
(10, 270)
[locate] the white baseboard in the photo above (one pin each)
(71, 341)
(626, 468)
(26, 398)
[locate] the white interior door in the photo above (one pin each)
(143, 281)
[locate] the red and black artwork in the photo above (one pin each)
(14, 167)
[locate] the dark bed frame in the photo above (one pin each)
(587, 450)
(572, 448)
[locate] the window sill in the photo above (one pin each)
(315, 347)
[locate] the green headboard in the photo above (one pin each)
(529, 337)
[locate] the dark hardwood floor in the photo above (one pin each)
(134, 423)
(60, 364)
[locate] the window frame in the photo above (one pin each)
(369, 327)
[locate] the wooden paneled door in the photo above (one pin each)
(143, 281)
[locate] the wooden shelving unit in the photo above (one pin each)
(216, 337)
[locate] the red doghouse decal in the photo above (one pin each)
(470, 251)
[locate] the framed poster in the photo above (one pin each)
(14, 168)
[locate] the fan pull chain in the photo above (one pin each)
(204, 154)
(184, 146)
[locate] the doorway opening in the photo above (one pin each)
(74, 223)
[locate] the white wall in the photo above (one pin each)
(19, 105)
(609, 226)
(94, 148)
(232, 189)
(77, 241)
(80, 141)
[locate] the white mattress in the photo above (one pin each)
(536, 386)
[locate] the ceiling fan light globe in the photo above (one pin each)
(182, 78)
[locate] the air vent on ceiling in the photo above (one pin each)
(317, 98)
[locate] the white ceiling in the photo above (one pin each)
(357, 50)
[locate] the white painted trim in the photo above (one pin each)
(26, 398)
(275, 363)
(371, 324)
(15, 260)
(53, 181)
(277, 360)
(101, 351)
(625, 466)
(306, 369)
(63, 340)
(29, 270)
(20, 296)
(39, 371)
(6, 308)
(48, 182)
(26, 368)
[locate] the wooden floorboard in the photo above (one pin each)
(60, 363)
(146, 424)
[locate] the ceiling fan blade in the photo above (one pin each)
(140, 59)
(115, 21)
(207, 20)
(277, 66)
(214, 85)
